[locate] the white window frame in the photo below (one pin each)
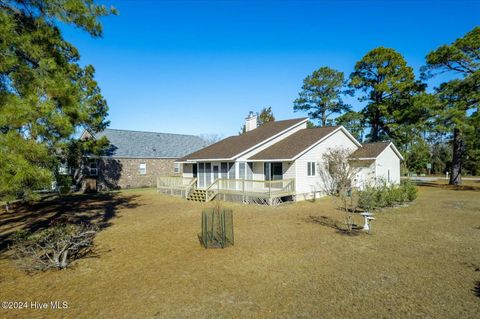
(176, 167)
(142, 170)
(311, 169)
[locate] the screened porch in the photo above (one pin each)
(265, 182)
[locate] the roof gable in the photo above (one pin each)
(295, 144)
(373, 150)
(138, 144)
(233, 146)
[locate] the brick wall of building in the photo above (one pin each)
(115, 173)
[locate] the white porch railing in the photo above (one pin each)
(177, 183)
(256, 188)
(242, 187)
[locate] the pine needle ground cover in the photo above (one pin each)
(421, 261)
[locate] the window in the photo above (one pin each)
(266, 170)
(201, 174)
(208, 174)
(310, 168)
(241, 170)
(142, 168)
(223, 170)
(176, 168)
(63, 169)
(231, 170)
(388, 176)
(250, 171)
(92, 168)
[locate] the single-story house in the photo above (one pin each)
(377, 162)
(135, 158)
(277, 161)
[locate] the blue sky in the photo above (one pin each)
(198, 67)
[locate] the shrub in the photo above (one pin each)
(409, 189)
(367, 198)
(64, 182)
(54, 247)
(398, 194)
(384, 195)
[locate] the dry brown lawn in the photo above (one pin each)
(421, 261)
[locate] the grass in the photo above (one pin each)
(421, 261)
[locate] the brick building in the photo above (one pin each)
(136, 158)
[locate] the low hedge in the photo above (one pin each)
(385, 195)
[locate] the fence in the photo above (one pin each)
(217, 228)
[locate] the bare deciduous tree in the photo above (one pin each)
(211, 138)
(338, 178)
(335, 171)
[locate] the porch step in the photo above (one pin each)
(197, 195)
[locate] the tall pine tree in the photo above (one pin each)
(321, 95)
(45, 95)
(388, 86)
(460, 97)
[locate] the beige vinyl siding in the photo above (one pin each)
(365, 176)
(306, 186)
(258, 171)
(388, 160)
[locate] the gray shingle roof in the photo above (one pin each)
(138, 144)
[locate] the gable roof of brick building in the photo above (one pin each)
(138, 144)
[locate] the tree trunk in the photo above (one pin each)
(324, 119)
(375, 127)
(458, 148)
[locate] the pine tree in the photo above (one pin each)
(459, 97)
(45, 95)
(321, 95)
(388, 86)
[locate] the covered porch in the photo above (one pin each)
(249, 182)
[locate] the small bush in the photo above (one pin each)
(64, 183)
(399, 195)
(410, 190)
(367, 198)
(382, 196)
(54, 247)
(385, 195)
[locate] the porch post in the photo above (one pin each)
(243, 190)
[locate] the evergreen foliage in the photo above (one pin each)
(46, 96)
